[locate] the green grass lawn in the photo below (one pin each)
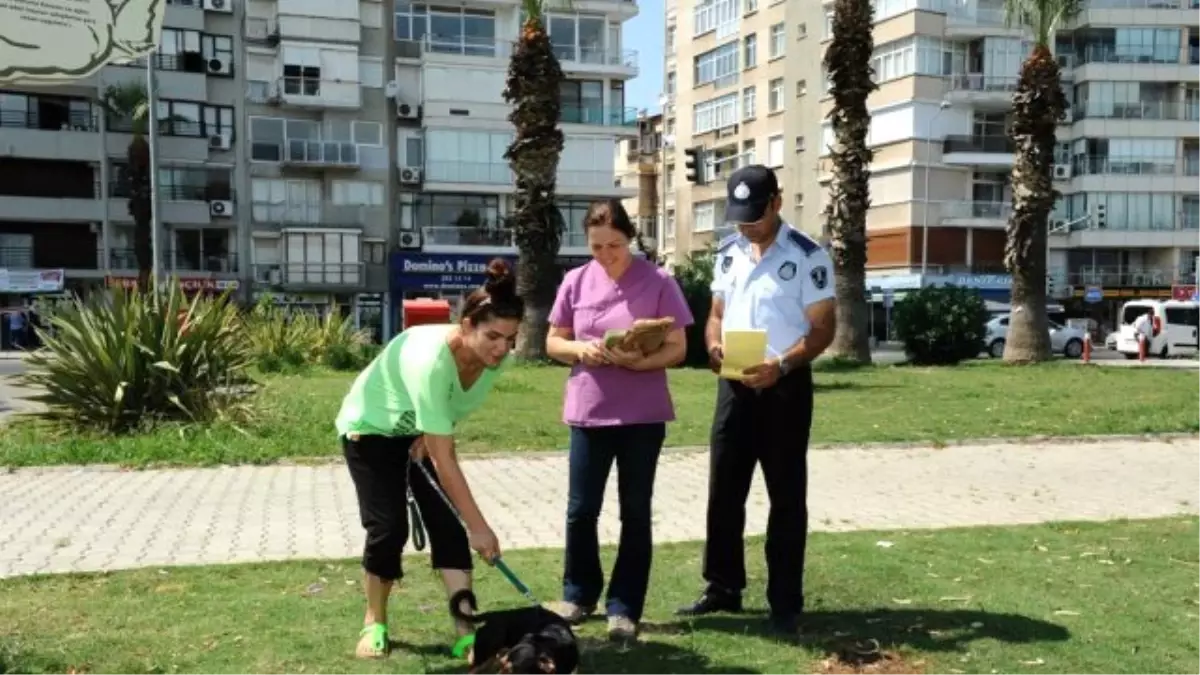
(883, 404)
(1062, 598)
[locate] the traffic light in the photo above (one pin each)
(694, 164)
(1098, 218)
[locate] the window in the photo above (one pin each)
(718, 66)
(775, 95)
(573, 212)
(750, 51)
(775, 151)
(51, 113)
(801, 88)
(322, 257)
(580, 38)
(450, 210)
(180, 183)
(447, 30)
(301, 80)
(180, 50)
(717, 113)
(827, 27)
(669, 177)
(186, 118)
(719, 15)
(801, 31)
(748, 102)
(669, 87)
(751, 6)
(748, 157)
(798, 199)
(669, 230)
(357, 193)
(778, 40)
(670, 39)
(583, 101)
(374, 252)
(799, 144)
(218, 48)
(308, 138)
(706, 214)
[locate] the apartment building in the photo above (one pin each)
(638, 165)
(455, 188)
(726, 91)
(1127, 159)
(64, 219)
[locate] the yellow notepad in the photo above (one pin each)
(743, 349)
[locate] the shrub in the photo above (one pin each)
(288, 342)
(941, 325)
(121, 360)
(694, 276)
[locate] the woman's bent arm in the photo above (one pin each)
(560, 346)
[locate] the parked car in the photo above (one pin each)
(1063, 339)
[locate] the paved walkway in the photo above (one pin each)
(80, 519)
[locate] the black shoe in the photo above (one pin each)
(711, 602)
(785, 623)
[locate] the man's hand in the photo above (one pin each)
(716, 355)
(764, 375)
(631, 360)
(590, 353)
(418, 451)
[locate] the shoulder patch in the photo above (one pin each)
(726, 242)
(805, 242)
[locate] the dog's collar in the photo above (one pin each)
(462, 644)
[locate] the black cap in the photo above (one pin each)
(751, 189)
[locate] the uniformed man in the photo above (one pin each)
(767, 276)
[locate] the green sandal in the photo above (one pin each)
(463, 645)
(378, 645)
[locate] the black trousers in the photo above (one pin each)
(768, 427)
(379, 468)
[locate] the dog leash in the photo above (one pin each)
(496, 562)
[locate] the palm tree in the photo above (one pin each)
(848, 65)
(1038, 105)
(534, 76)
(130, 103)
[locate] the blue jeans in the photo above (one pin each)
(635, 448)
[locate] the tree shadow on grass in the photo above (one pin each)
(820, 387)
(600, 656)
(861, 635)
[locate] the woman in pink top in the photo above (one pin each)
(617, 406)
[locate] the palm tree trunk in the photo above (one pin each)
(1038, 105)
(848, 62)
(139, 208)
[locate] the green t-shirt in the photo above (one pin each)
(412, 388)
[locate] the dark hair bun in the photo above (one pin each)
(500, 282)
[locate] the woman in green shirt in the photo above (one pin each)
(405, 404)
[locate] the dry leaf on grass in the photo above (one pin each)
(875, 662)
(1035, 662)
(1065, 612)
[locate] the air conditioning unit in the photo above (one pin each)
(222, 208)
(406, 111)
(219, 142)
(1062, 172)
(409, 240)
(224, 6)
(219, 67)
(410, 175)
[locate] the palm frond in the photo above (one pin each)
(128, 101)
(1043, 17)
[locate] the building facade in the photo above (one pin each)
(1127, 159)
(726, 91)
(638, 165)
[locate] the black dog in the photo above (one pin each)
(523, 640)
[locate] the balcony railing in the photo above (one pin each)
(194, 261)
(306, 152)
(1127, 277)
(462, 46)
(1129, 54)
(75, 121)
(982, 82)
(1138, 110)
(485, 235)
(1191, 166)
(188, 62)
(1124, 166)
(320, 214)
(599, 115)
(168, 127)
(1157, 222)
(1143, 4)
(981, 210)
(179, 193)
(493, 173)
(345, 274)
(988, 144)
(973, 15)
(599, 56)
(16, 257)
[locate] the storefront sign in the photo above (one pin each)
(31, 281)
(189, 285)
(449, 272)
(1183, 292)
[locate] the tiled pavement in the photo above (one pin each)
(95, 518)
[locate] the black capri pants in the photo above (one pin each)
(379, 467)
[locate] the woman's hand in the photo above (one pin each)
(631, 360)
(484, 542)
(418, 451)
(590, 353)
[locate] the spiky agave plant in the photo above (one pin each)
(848, 64)
(534, 78)
(130, 102)
(1038, 105)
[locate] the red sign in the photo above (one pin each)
(190, 285)
(1181, 292)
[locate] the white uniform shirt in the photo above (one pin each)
(773, 293)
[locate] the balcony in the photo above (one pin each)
(321, 214)
(972, 21)
(970, 213)
(187, 62)
(1123, 166)
(1117, 277)
(1137, 110)
(978, 150)
(428, 46)
(1131, 54)
(490, 235)
(1128, 63)
(54, 203)
(308, 93)
(303, 275)
(31, 135)
(194, 261)
(981, 91)
(473, 173)
(304, 153)
(599, 115)
(597, 59)
(1167, 230)
(43, 257)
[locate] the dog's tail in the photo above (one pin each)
(456, 610)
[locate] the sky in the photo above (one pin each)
(645, 33)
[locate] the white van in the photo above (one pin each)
(1178, 322)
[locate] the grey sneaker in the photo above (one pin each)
(622, 629)
(570, 611)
